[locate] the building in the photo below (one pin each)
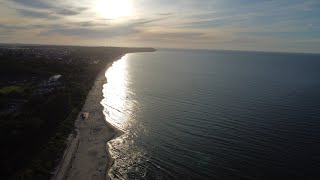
(45, 87)
(55, 78)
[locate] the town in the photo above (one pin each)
(21, 84)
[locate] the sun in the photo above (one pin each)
(113, 9)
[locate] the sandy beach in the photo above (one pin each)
(87, 155)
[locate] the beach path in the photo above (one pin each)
(87, 156)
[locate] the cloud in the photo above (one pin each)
(171, 36)
(12, 27)
(99, 28)
(91, 24)
(42, 4)
(90, 33)
(206, 23)
(46, 9)
(37, 14)
(140, 22)
(165, 14)
(69, 12)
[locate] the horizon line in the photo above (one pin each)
(169, 48)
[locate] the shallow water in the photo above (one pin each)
(214, 115)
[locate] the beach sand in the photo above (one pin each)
(87, 155)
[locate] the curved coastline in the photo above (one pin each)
(87, 155)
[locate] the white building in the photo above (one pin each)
(45, 87)
(55, 77)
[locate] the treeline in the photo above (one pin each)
(34, 138)
(26, 133)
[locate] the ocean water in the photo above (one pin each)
(214, 115)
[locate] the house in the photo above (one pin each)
(53, 83)
(55, 77)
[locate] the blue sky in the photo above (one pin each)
(259, 25)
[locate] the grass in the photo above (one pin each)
(12, 89)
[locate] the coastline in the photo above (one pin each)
(87, 155)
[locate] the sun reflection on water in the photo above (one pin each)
(119, 104)
(115, 93)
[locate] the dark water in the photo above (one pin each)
(215, 115)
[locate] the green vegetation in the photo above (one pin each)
(34, 137)
(24, 132)
(11, 89)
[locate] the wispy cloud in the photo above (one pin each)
(90, 33)
(36, 14)
(96, 29)
(70, 11)
(49, 9)
(223, 24)
(35, 3)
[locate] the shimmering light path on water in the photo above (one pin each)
(214, 115)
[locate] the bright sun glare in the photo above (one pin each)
(113, 8)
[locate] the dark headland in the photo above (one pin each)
(43, 90)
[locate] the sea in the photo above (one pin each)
(201, 114)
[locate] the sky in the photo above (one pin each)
(254, 25)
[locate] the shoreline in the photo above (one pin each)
(87, 155)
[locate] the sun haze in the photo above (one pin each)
(111, 9)
(291, 26)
